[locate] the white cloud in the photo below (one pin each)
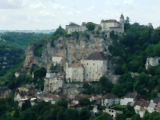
(37, 6)
(127, 2)
(91, 8)
(74, 12)
(58, 6)
(43, 13)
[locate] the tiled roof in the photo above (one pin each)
(109, 21)
(109, 96)
(96, 56)
(157, 106)
(76, 65)
(138, 97)
(142, 103)
(131, 95)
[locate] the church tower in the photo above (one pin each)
(122, 22)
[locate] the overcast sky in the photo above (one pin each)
(49, 14)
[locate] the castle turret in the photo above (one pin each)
(122, 22)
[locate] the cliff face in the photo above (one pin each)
(71, 49)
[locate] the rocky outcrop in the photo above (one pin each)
(72, 89)
(152, 61)
(71, 49)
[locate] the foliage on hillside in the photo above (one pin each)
(10, 56)
(59, 32)
(9, 110)
(132, 50)
(39, 49)
(102, 86)
(20, 39)
(12, 82)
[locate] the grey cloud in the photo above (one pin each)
(5, 4)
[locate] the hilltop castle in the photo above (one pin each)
(106, 25)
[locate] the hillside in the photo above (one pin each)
(12, 49)
(19, 38)
(127, 56)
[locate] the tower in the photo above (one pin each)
(122, 22)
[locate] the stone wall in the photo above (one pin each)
(73, 89)
(94, 69)
(152, 61)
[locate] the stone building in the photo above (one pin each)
(56, 60)
(113, 25)
(152, 61)
(95, 66)
(109, 100)
(53, 81)
(90, 69)
(75, 28)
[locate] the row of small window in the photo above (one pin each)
(94, 63)
(93, 75)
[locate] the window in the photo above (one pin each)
(93, 63)
(87, 63)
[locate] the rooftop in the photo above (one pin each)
(131, 95)
(109, 21)
(96, 56)
(109, 96)
(76, 65)
(142, 103)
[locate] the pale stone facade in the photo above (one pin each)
(141, 106)
(109, 100)
(113, 25)
(129, 98)
(75, 28)
(56, 60)
(90, 69)
(77, 72)
(53, 81)
(152, 62)
(112, 112)
(17, 74)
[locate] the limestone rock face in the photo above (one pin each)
(152, 61)
(71, 49)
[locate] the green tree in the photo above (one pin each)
(137, 117)
(16, 113)
(62, 103)
(120, 116)
(103, 116)
(90, 26)
(60, 115)
(71, 114)
(84, 101)
(40, 72)
(84, 114)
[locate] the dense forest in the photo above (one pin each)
(20, 39)
(12, 48)
(131, 52)
(10, 56)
